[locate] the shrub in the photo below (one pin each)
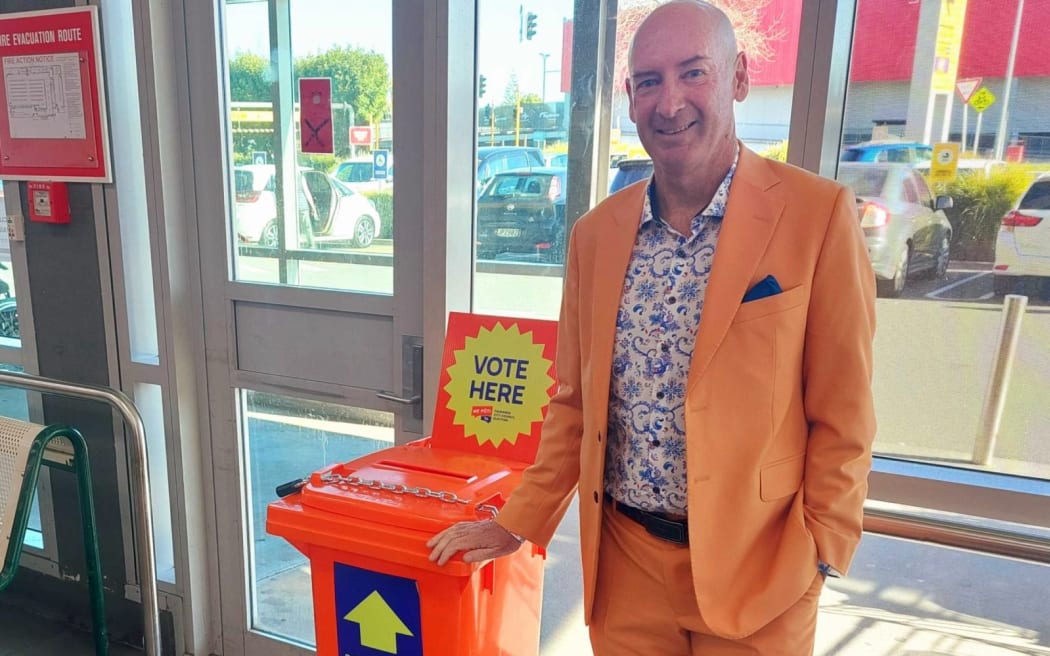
(778, 151)
(384, 203)
(980, 203)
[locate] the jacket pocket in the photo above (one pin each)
(785, 300)
(782, 478)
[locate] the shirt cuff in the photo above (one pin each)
(828, 570)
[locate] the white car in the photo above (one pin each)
(1023, 245)
(325, 208)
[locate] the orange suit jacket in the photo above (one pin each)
(779, 416)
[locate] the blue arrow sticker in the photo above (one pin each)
(376, 614)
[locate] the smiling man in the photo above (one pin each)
(714, 405)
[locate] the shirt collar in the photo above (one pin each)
(715, 209)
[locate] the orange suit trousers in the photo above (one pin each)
(645, 605)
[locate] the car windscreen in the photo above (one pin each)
(850, 155)
(523, 185)
(243, 180)
(864, 181)
(1038, 197)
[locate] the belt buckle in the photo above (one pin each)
(666, 529)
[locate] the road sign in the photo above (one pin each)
(376, 613)
(982, 99)
(966, 87)
(380, 162)
(258, 157)
(945, 162)
(361, 135)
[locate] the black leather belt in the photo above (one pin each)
(671, 530)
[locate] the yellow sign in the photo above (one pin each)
(949, 42)
(251, 116)
(982, 99)
(498, 385)
(945, 162)
(380, 625)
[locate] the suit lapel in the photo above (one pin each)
(751, 217)
(612, 255)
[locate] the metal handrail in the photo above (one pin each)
(140, 502)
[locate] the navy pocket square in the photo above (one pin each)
(768, 286)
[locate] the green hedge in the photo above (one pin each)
(384, 203)
(980, 203)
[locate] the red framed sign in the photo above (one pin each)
(53, 112)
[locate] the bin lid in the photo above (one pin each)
(414, 486)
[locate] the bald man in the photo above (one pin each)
(714, 405)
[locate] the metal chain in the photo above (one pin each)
(401, 488)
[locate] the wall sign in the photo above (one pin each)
(53, 122)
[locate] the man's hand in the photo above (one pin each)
(480, 540)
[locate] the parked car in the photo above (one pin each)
(905, 227)
(629, 171)
(327, 210)
(1022, 248)
(359, 174)
(903, 152)
(558, 159)
(521, 215)
(497, 159)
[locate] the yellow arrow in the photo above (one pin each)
(379, 624)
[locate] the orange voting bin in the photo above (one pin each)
(364, 524)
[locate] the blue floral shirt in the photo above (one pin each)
(663, 299)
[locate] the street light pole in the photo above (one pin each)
(1000, 139)
(543, 83)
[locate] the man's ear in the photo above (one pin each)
(630, 97)
(741, 78)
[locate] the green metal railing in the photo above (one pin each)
(80, 466)
(140, 487)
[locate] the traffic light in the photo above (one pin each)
(530, 25)
(481, 86)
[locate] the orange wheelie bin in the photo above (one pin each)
(364, 524)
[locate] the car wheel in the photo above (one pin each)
(364, 232)
(940, 267)
(893, 287)
(9, 320)
(268, 238)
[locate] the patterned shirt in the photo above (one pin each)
(663, 298)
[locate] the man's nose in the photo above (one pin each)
(670, 101)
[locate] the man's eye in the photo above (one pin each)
(694, 73)
(645, 84)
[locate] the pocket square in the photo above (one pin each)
(768, 286)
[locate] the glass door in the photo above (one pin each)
(312, 291)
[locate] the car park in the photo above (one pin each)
(905, 227)
(521, 216)
(901, 152)
(1022, 247)
(327, 210)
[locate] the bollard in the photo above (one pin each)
(995, 397)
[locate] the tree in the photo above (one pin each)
(510, 94)
(250, 78)
(360, 79)
(752, 36)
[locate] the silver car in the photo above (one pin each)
(905, 227)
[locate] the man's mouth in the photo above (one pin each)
(674, 131)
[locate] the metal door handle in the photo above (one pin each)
(390, 396)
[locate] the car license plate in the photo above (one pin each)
(507, 232)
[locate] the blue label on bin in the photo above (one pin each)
(376, 614)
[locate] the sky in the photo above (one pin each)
(320, 24)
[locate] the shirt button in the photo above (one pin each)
(659, 395)
(665, 348)
(656, 442)
(656, 490)
(680, 252)
(672, 300)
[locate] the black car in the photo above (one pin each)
(629, 171)
(497, 159)
(521, 216)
